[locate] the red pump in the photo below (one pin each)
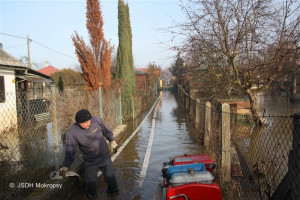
(185, 179)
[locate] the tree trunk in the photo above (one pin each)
(294, 89)
(254, 106)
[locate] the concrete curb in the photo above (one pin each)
(69, 184)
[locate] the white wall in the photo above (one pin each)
(8, 109)
(8, 118)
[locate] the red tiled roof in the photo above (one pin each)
(155, 72)
(48, 70)
(148, 69)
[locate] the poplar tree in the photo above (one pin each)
(94, 59)
(124, 64)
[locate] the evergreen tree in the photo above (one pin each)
(177, 67)
(124, 66)
(60, 84)
(70, 77)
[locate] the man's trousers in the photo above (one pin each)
(91, 179)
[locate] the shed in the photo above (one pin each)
(21, 90)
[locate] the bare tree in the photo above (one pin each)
(286, 82)
(244, 42)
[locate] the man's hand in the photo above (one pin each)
(114, 146)
(63, 171)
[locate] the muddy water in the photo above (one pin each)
(278, 106)
(172, 137)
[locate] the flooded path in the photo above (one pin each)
(172, 136)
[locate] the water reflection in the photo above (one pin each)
(277, 105)
(28, 158)
(37, 145)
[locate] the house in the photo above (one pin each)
(154, 72)
(238, 106)
(153, 75)
(141, 79)
(21, 90)
(48, 70)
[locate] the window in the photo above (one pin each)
(2, 89)
(35, 90)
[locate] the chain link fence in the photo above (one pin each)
(264, 158)
(260, 155)
(263, 152)
(33, 133)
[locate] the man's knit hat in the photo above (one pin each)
(83, 116)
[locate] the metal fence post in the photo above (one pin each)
(119, 108)
(294, 159)
(100, 103)
(55, 127)
(133, 110)
(226, 143)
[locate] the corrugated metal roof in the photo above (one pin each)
(6, 59)
(9, 62)
(140, 73)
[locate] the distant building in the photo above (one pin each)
(48, 70)
(144, 77)
(154, 71)
(141, 79)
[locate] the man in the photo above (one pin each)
(89, 133)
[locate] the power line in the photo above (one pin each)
(31, 40)
(13, 36)
(20, 45)
(52, 49)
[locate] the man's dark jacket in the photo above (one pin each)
(91, 142)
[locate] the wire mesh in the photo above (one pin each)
(26, 153)
(265, 156)
(202, 120)
(31, 146)
(111, 108)
(215, 138)
(263, 151)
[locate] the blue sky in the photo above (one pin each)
(51, 23)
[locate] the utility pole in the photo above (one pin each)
(28, 49)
